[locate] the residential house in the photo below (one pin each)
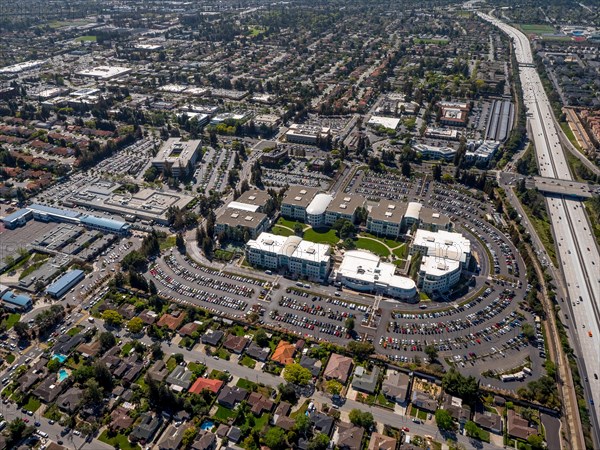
(48, 390)
(208, 384)
(234, 434)
(518, 427)
(364, 381)
(148, 316)
(120, 419)
(284, 353)
(70, 400)
(172, 436)
(256, 352)
(236, 344)
(322, 423)
(205, 441)
(459, 412)
(146, 429)
(171, 321)
(89, 350)
(381, 442)
(180, 378)
(424, 402)
(189, 328)
(281, 418)
(395, 386)
(338, 368)
(259, 403)
(158, 371)
(312, 364)
(489, 421)
(348, 436)
(231, 396)
(212, 337)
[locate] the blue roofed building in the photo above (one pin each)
(61, 286)
(48, 213)
(17, 219)
(105, 225)
(18, 302)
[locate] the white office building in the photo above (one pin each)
(365, 272)
(299, 257)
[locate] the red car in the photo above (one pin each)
(25, 419)
(405, 429)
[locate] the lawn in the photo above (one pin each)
(127, 348)
(86, 39)
(381, 400)
(569, 133)
(171, 364)
(167, 242)
(373, 246)
(120, 439)
(534, 28)
(238, 330)
(224, 414)
(301, 411)
(11, 320)
(52, 413)
(281, 231)
(223, 354)
(259, 422)
(196, 368)
(248, 362)
(321, 236)
(245, 384)
(289, 223)
(10, 358)
(32, 404)
(223, 255)
(75, 330)
(401, 252)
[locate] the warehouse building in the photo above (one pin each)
(61, 286)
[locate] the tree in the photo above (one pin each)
(112, 317)
(296, 374)
(275, 438)
(467, 388)
(302, 425)
(406, 168)
(536, 442)
(319, 441)
(361, 349)
(437, 172)
(53, 365)
(93, 393)
(288, 393)
(349, 324)
(528, 331)
(16, 430)
(22, 330)
(361, 418)
(333, 387)
(298, 229)
(107, 340)
(188, 437)
(261, 338)
(135, 325)
(431, 352)
(444, 420)
(472, 429)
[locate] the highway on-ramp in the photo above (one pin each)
(577, 249)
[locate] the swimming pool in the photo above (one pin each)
(61, 358)
(62, 375)
(207, 425)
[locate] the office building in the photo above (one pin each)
(307, 134)
(61, 286)
(344, 206)
(386, 218)
(295, 202)
(177, 156)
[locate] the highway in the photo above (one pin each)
(577, 249)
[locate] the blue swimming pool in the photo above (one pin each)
(62, 375)
(207, 425)
(61, 358)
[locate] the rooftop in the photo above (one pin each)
(299, 196)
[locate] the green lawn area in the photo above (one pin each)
(223, 255)
(401, 252)
(127, 348)
(569, 133)
(223, 354)
(373, 246)
(238, 330)
(248, 362)
(10, 358)
(289, 223)
(381, 400)
(11, 320)
(423, 296)
(300, 410)
(223, 414)
(75, 330)
(281, 231)
(321, 236)
(32, 404)
(171, 363)
(536, 28)
(86, 39)
(245, 384)
(544, 231)
(120, 439)
(197, 368)
(167, 242)
(52, 413)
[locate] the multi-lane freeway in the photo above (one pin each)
(577, 249)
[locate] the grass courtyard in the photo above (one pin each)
(321, 236)
(373, 246)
